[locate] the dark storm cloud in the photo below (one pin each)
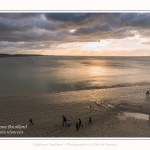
(68, 17)
(11, 25)
(32, 36)
(46, 25)
(7, 27)
(126, 19)
(30, 29)
(113, 22)
(97, 36)
(91, 30)
(141, 20)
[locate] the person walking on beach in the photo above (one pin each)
(77, 126)
(90, 120)
(31, 122)
(80, 123)
(64, 120)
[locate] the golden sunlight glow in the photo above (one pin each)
(72, 30)
(96, 45)
(96, 71)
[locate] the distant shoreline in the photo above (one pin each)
(17, 55)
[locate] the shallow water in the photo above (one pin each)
(135, 115)
(117, 77)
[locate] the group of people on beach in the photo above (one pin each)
(78, 124)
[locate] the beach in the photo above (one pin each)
(110, 90)
(46, 110)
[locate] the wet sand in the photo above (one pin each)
(46, 110)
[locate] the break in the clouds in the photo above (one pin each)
(75, 33)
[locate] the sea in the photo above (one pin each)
(120, 76)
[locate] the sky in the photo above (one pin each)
(85, 34)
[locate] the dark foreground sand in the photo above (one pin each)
(47, 110)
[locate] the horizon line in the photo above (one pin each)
(6, 54)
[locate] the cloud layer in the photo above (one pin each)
(46, 31)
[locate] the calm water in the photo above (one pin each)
(47, 74)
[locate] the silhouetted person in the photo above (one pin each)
(90, 120)
(31, 122)
(64, 120)
(77, 126)
(80, 124)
